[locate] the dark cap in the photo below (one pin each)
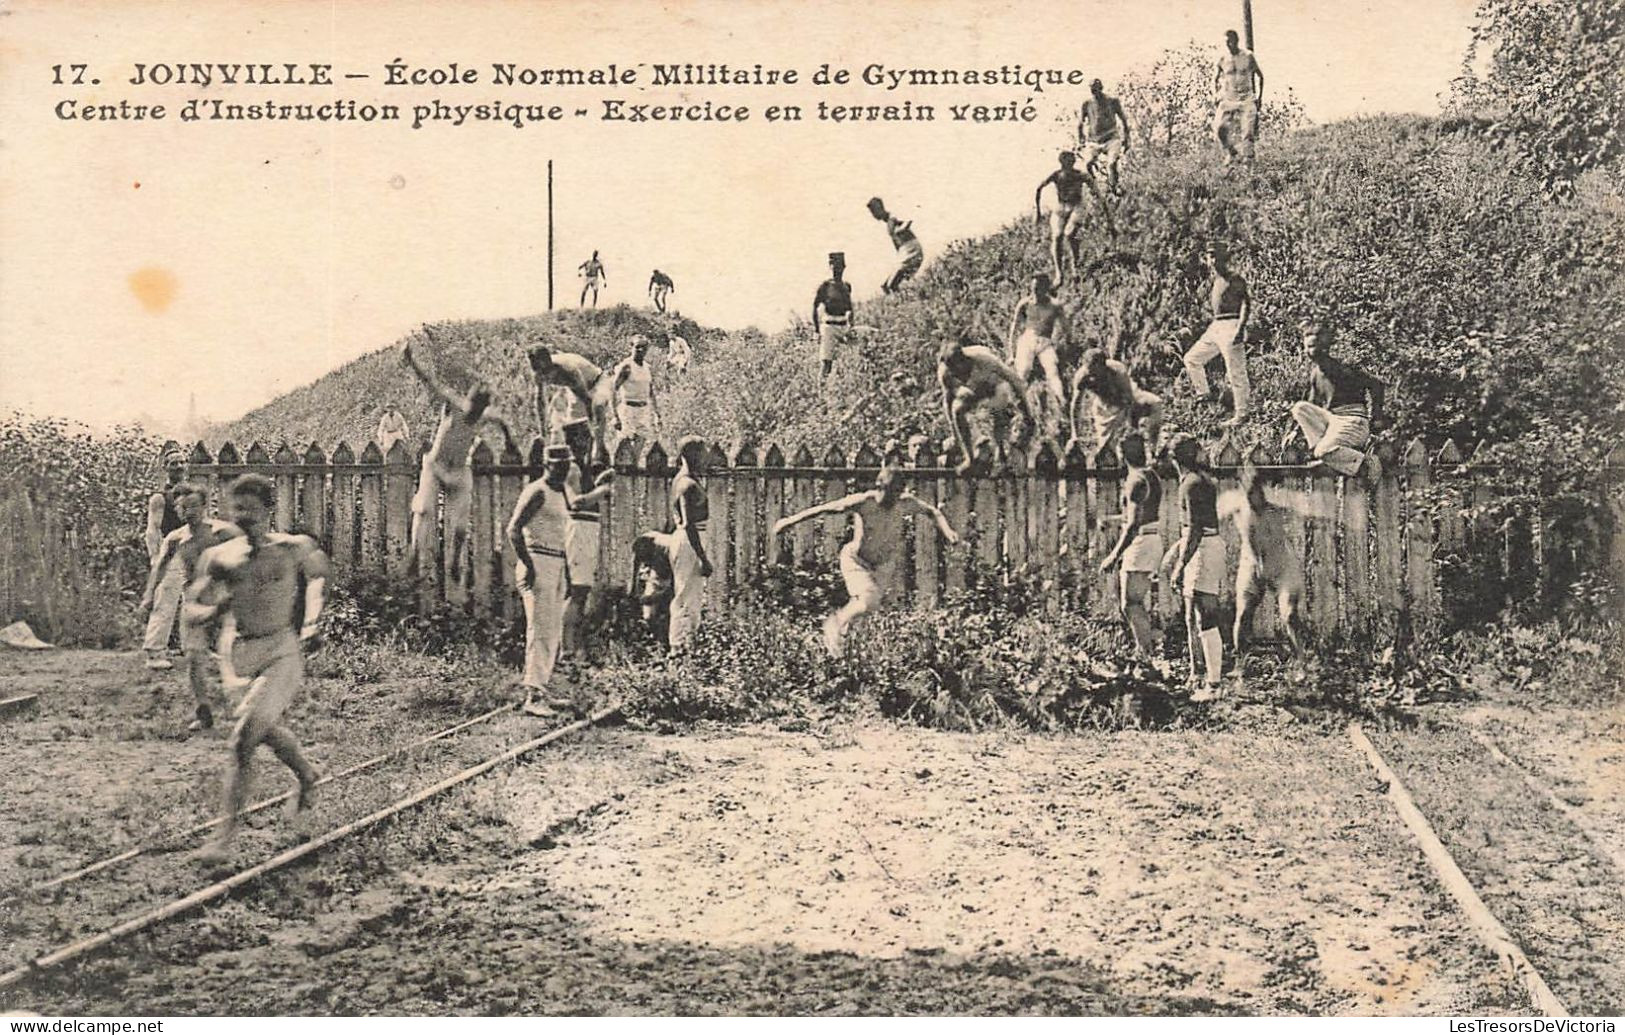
(839, 257)
(559, 452)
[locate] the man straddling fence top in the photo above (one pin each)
(1226, 335)
(1267, 559)
(581, 541)
(539, 531)
(832, 312)
(256, 577)
(591, 394)
(1333, 415)
(1116, 403)
(1238, 90)
(1098, 134)
(869, 561)
(633, 387)
(1037, 327)
(596, 277)
(690, 567)
(1199, 564)
(973, 375)
(1139, 545)
(447, 468)
(910, 256)
(162, 519)
(178, 558)
(660, 286)
(1066, 217)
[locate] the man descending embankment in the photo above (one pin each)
(590, 393)
(1117, 405)
(832, 313)
(1226, 336)
(1238, 91)
(1037, 328)
(910, 256)
(973, 376)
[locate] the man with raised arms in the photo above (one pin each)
(971, 376)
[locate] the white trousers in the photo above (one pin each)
(687, 588)
(166, 603)
(544, 618)
(1339, 439)
(1222, 338)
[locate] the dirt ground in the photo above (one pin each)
(861, 867)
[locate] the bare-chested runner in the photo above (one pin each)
(1116, 403)
(869, 561)
(1037, 328)
(592, 393)
(971, 376)
(1066, 217)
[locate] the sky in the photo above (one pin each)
(144, 261)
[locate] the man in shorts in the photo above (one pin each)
(832, 312)
(1116, 404)
(447, 469)
(972, 376)
(584, 491)
(1099, 122)
(1066, 217)
(539, 531)
(910, 256)
(177, 558)
(589, 393)
(1340, 403)
(1199, 565)
(596, 277)
(660, 286)
(257, 579)
(869, 562)
(633, 388)
(1037, 328)
(1226, 336)
(163, 518)
(1267, 560)
(1138, 550)
(1238, 91)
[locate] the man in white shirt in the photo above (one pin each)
(634, 388)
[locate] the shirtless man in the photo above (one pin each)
(1098, 122)
(633, 388)
(910, 256)
(162, 519)
(1267, 559)
(1139, 546)
(1333, 414)
(690, 567)
(581, 540)
(1199, 565)
(178, 558)
(1116, 403)
(1066, 218)
(1038, 326)
(678, 354)
(256, 578)
(869, 561)
(1226, 336)
(539, 531)
(1238, 91)
(596, 276)
(832, 312)
(446, 468)
(589, 391)
(660, 286)
(971, 375)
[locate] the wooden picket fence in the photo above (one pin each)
(1372, 546)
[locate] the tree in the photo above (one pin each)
(1549, 72)
(1170, 103)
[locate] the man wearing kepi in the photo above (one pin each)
(690, 567)
(869, 561)
(1139, 545)
(1226, 335)
(162, 519)
(1238, 89)
(257, 579)
(1199, 565)
(832, 312)
(539, 531)
(1333, 414)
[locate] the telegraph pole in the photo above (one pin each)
(1247, 22)
(550, 226)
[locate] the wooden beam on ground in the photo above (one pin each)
(19, 704)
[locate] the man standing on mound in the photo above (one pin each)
(596, 277)
(1226, 336)
(256, 579)
(869, 561)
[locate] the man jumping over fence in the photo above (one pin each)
(257, 579)
(581, 541)
(869, 561)
(1226, 336)
(832, 312)
(591, 393)
(539, 531)
(1333, 415)
(637, 412)
(1139, 546)
(178, 559)
(1199, 565)
(971, 376)
(162, 519)
(1116, 404)
(1043, 327)
(1267, 560)
(910, 256)
(1066, 217)
(447, 468)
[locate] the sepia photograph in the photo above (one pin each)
(917, 508)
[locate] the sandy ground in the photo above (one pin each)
(858, 868)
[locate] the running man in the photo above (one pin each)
(257, 579)
(973, 375)
(1333, 414)
(1098, 136)
(678, 354)
(910, 255)
(1139, 546)
(1038, 326)
(447, 468)
(1199, 565)
(1226, 336)
(660, 286)
(690, 567)
(589, 392)
(1267, 559)
(596, 276)
(1116, 404)
(162, 519)
(581, 541)
(869, 562)
(633, 388)
(1066, 217)
(539, 531)
(178, 558)
(832, 312)
(1238, 91)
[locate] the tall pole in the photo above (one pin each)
(1247, 21)
(550, 233)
